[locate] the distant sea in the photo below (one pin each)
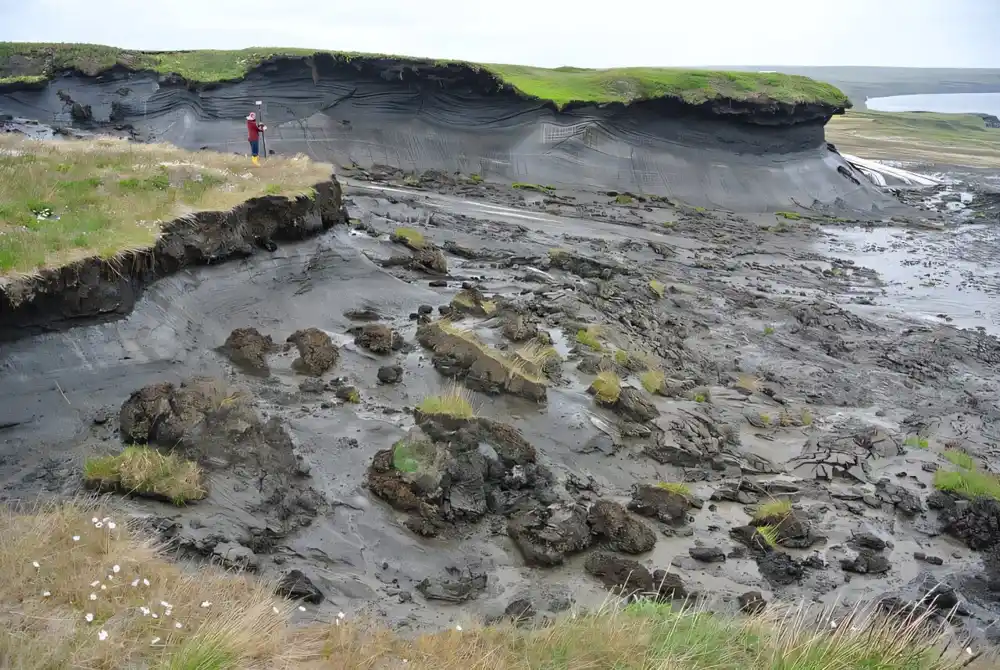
(951, 103)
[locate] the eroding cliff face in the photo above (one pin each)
(95, 288)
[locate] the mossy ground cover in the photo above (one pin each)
(560, 85)
(81, 587)
(64, 201)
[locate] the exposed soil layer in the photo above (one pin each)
(95, 288)
(455, 119)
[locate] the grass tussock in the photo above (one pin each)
(148, 472)
(454, 403)
(64, 201)
(917, 442)
(653, 380)
(537, 354)
(675, 487)
(590, 337)
(607, 387)
(657, 287)
(410, 237)
(968, 481)
(770, 534)
(541, 188)
(773, 511)
(959, 458)
(55, 617)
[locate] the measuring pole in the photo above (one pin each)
(260, 120)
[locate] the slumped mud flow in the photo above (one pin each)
(806, 355)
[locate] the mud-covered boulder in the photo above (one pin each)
(779, 568)
(611, 522)
(547, 535)
(317, 353)
(752, 602)
(619, 575)
(792, 530)
(707, 554)
(430, 260)
(517, 328)
(455, 586)
(377, 338)
(904, 500)
(249, 348)
(977, 523)
(635, 406)
(660, 502)
(390, 374)
(867, 562)
(295, 585)
(669, 586)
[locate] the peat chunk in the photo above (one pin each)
(247, 347)
(659, 503)
(624, 533)
(619, 575)
(295, 585)
(317, 353)
(546, 535)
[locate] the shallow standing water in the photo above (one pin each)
(945, 103)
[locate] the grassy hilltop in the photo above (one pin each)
(33, 62)
(64, 201)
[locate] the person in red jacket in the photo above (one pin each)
(254, 130)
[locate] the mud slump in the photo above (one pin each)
(660, 398)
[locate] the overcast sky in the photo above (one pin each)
(919, 33)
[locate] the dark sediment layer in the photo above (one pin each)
(96, 289)
(364, 112)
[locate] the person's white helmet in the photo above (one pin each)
(252, 117)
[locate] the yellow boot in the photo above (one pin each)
(256, 160)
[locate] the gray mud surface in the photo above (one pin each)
(793, 369)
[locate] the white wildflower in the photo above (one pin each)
(178, 625)
(145, 582)
(89, 617)
(94, 520)
(135, 582)
(99, 524)
(340, 615)
(116, 569)
(102, 635)
(104, 587)
(95, 582)
(106, 519)
(46, 594)
(76, 538)
(111, 525)
(144, 610)
(35, 563)
(164, 603)
(968, 650)
(458, 628)
(155, 615)
(206, 604)
(155, 640)
(93, 596)
(833, 624)
(168, 612)
(275, 610)
(301, 608)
